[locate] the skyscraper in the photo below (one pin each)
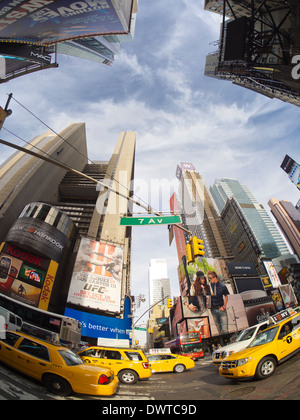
(261, 227)
(288, 218)
(199, 213)
(159, 282)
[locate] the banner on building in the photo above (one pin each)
(97, 276)
(51, 21)
(272, 273)
(26, 277)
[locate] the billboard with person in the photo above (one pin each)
(97, 276)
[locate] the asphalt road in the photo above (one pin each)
(200, 383)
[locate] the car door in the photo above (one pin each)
(288, 339)
(156, 363)
(113, 359)
(31, 358)
(7, 347)
(169, 361)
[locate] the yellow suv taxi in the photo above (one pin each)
(271, 347)
(130, 365)
(59, 368)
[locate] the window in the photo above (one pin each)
(285, 329)
(34, 349)
(92, 353)
(166, 357)
(295, 322)
(11, 338)
(71, 358)
(153, 358)
(12, 319)
(133, 355)
(112, 354)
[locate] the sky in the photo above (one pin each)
(157, 88)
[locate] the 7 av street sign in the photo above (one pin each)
(156, 220)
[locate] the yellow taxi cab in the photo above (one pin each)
(130, 365)
(60, 369)
(271, 347)
(170, 363)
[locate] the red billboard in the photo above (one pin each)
(47, 22)
(178, 233)
(26, 277)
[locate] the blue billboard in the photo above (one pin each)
(50, 21)
(96, 326)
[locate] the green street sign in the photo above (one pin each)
(148, 221)
(139, 329)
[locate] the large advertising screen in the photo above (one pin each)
(50, 21)
(26, 277)
(99, 326)
(272, 273)
(295, 176)
(208, 321)
(97, 276)
(39, 237)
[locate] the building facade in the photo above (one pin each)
(288, 219)
(259, 40)
(25, 179)
(262, 231)
(199, 213)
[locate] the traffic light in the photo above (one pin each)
(170, 303)
(194, 248)
(189, 253)
(198, 247)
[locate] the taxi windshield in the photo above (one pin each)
(264, 337)
(246, 334)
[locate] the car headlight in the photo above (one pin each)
(242, 362)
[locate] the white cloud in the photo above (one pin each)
(158, 90)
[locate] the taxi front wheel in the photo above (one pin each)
(266, 367)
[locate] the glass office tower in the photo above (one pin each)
(264, 230)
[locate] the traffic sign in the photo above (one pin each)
(148, 221)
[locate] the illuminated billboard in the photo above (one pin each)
(46, 22)
(43, 229)
(97, 276)
(292, 168)
(103, 327)
(26, 277)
